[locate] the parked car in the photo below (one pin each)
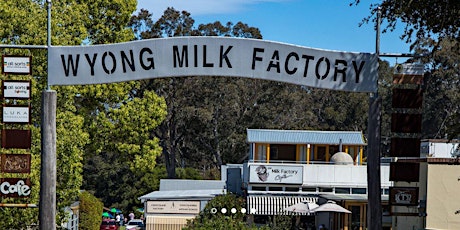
(135, 224)
(108, 225)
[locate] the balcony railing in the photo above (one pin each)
(314, 173)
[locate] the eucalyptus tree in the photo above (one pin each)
(176, 132)
(208, 116)
(432, 29)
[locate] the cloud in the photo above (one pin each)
(198, 7)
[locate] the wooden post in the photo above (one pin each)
(374, 210)
(47, 207)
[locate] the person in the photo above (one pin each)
(131, 216)
(122, 218)
(117, 219)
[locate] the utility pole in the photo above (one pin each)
(374, 211)
(47, 201)
(47, 206)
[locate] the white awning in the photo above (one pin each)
(275, 205)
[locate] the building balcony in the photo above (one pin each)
(314, 177)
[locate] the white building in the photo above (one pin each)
(178, 201)
(289, 166)
(439, 148)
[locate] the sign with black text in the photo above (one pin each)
(16, 89)
(16, 65)
(177, 207)
(212, 56)
(275, 174)
(16, 114)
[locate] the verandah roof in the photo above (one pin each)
(305, 137)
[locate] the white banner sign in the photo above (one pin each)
(16, 114)
(178, 207)
(16, 65)
(16, 89)
(275, 174)
(212, 56)
(410, 69)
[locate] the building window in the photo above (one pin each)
(309, 189)
(342, 190)
(333, 149)
(325, 190)
(261, 153)
(283, 152)
(385, 191)
(292, 189)
(303, 153)
(275, 188)
(320, 154)
(358, 191)
(258, 188)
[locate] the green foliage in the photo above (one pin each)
(24, 22)
(436, 43)
(421, 18)
(189, 105)
(207, 219)
(122, 167)
(90, 211)
(280, 222)
(212, 217)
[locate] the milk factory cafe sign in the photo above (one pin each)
(212, 56)
(275, 174)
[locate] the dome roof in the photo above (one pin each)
(342, 158)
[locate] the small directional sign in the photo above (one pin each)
(16, 65)
(16, 114)
(16, 89)
(408, 73)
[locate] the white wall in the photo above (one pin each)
(437, 149)
(342, 175)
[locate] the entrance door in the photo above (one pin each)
(357, 219)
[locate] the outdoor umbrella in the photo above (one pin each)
(302, 207)
(105, 214)
(114, 210)
(331, 206)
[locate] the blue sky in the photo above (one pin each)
(327, 24)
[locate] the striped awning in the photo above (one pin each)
(166, 222)
(275, 205)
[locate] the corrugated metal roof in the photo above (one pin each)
(181, 184)
(182, 194)
(305, 137)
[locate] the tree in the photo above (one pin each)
(212, 216)
(442, 99)
(419, 17)
(90, 211)
(206, 128)
(127, 150)
(23, 22)
(172, 131)
(436, 43)
(22, 25)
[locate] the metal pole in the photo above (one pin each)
(47, 206)
(374, 211)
